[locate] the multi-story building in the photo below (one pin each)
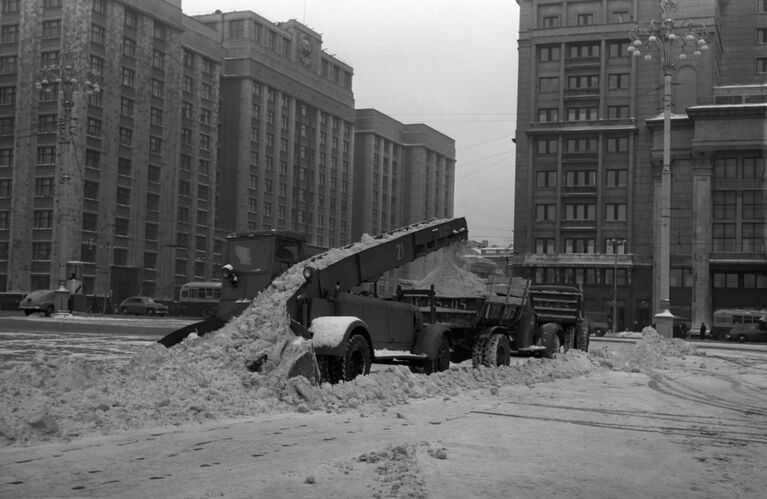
(287, 130)
(116, 185)
(589, 157)
(404, 173)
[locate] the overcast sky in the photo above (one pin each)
(450, 64)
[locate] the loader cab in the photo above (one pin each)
(252, 261)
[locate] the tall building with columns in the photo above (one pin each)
(589, 158)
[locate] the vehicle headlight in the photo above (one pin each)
(227, 272)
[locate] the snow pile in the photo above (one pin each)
(651, 351)
(53, 399)
(452, 280)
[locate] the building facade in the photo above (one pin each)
(589, 157)
(108, 113)
(405, 173)
(287, 130)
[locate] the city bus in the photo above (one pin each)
(726, 318)
(199, 299)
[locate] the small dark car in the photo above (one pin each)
(756, 331)
(140, 305)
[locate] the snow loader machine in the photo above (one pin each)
(351, 327)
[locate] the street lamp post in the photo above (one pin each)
(669, 40)
(616, 243)
(67, 79)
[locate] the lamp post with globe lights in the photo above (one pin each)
(666, 41)
(68, 80)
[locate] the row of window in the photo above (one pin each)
(616, 49)
(581, 145)
(546, 245)
(582, 178)
(546, 212)
(583, 276)
(583, 83)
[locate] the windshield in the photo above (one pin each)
(253, 254)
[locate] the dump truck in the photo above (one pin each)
(350, 327)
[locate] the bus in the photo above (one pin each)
(199, 299)
(726, 318)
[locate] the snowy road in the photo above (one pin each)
(695, 429)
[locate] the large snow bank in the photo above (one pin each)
(652, 351)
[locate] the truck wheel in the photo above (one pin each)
(330, 369)
(478, 352)
(28, 311)
(357, 358)
(497, 351)
(553, 349)
(442, 361)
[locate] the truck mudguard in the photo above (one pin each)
(429, 338)
(330, 334)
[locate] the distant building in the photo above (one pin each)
(287, 124)
(123, 193)
(405, 173)
(589, 143)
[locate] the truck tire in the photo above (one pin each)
(357, 358)
(442, 361)
(497, 351)
(478, 351)
(553, 349)
(330, 369)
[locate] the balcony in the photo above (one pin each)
(582, 62)
(619, 124)
(577, 224)
(582, 92)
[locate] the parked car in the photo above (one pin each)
(756, 331)
(139, 305)
(41, 300)
(597, 327)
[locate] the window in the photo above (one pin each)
(617, 112)
(617, 144)
(618, 80)
(723, 237)
(188, 84)
(550, 21)
(725, 168)
(616, 178)
(126, 106)
(544, 245)
(155, 116)
(7, 96)
(546, 146)
(186, 110)
(725, 280)
(153, 202)
(6, 157)
(158, 59)
(188, 59)
(42, 219)
(204, 142)
(131, 19)
(157, 87)
(160, 32)
(49, 58)
(10, 33)
(94, 127)
(92, 158)
(546, 179)
(761, 65)
(90, 189)
(153, 175)
(124, 166)
(583, 81)
(207, 66)
(206, 91)
(186, 136)
(580, 178)
(205, 116)
(46, 123)
(616, 50)
(620, 16)
(99, 7)
(725, 205)
(580, 245)
(753, 205)
(41, 251)
(582, 113)
(123, 196)
(129, 47)
(7, 125)
(548, 84)
(544, 212)
(581, 145)
(51, 29)
(752, 240)
(98, 34)
(5, 187)
(585, 19)
(761, 6)
(583, 50)
(10, 6)
(128, 77)
(752, 169)
(761, 35)
(184, 188)
(580, 211)
(548, 53)
(155, 145)
(46, 155)
(8, 64)
(236, 29)
(126, 136)
(548, 114)
(122, 226)
(615, 212)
